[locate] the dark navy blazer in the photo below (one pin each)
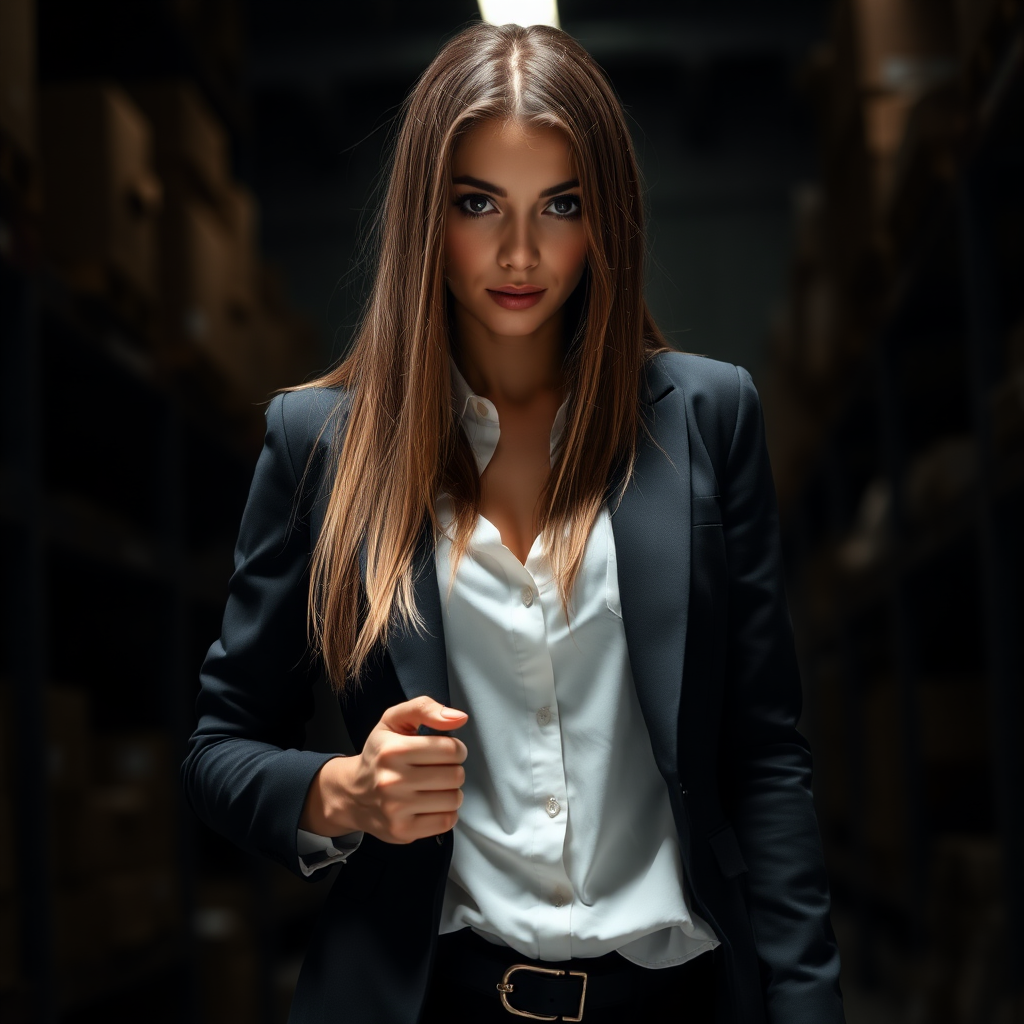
(711, 648)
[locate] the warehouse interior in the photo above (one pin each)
(835, 201)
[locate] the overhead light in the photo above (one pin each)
(520, 12)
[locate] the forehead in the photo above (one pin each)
(508, 153)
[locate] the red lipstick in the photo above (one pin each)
(513, 296)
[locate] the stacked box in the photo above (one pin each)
(190, 146)
(208, 243)
(195, 252)
(246, 357)
(101, 197)
(820, 324)
(191, 154)
(888, 56)
(18, 96)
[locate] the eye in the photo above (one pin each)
(567, 206)
(474, 204)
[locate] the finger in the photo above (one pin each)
(439, 801)
(427, 750)
(434, 777)
(406, 717)
(432, 824)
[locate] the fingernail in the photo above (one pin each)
(451, 713)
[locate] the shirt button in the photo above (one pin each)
(527, 596)
(553, 806)
(544, 716)
(481, 409)
(560, 898)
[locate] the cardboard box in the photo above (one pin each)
(904, 46)
(18, 75)
(190, 145)
(101, 197)
(241, 218)
(195, 271)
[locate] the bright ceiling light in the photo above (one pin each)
(520, 12)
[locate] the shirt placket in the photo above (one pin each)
(549, 815)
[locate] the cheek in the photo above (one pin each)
(461, 251)
(572, 256)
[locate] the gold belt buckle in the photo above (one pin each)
(504, 988)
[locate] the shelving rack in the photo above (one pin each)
(940, 603)
(98, 454)
(122, 483)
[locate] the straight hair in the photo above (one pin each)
(403, 443)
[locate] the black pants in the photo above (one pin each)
(468, 969)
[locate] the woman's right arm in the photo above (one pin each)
(245, 774)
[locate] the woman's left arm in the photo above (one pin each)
(768, 781)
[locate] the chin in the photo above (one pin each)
(511, 324)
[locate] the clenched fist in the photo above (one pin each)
(401, 787)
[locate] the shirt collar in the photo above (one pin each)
(479, 419)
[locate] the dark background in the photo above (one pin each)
(835, 202)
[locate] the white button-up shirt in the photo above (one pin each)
(565, 844)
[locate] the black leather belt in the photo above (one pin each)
(541, 990)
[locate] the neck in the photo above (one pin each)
(506, 369)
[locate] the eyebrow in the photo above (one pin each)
(486, 186)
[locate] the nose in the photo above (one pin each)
(518, 250)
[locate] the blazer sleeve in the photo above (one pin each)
(767, 762)
(245, 774)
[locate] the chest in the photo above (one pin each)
(514, 479)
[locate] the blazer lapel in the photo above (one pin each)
(651, 527)
(419, 659)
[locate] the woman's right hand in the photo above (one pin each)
(401, 787)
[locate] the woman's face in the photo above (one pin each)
(514, 240)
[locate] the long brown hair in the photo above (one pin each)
(403, 443)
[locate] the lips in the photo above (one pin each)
(512, 296)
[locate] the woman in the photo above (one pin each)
(514, 514)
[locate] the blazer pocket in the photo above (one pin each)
(726, 848)
(706, 510)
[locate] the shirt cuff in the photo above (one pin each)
(317, 852)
